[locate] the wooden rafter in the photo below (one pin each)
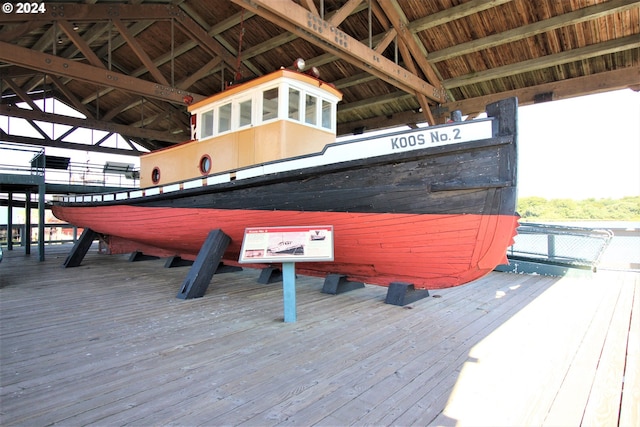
(52, 64)
(579, 86)
(598, 49)
(396, 16)
(89, 124)
(559, 21)
(295, 19)
(21, 94)
(456, 12)
(80, 43)
(75, 102)
(48, 142)
(140, 53)
(79, 12)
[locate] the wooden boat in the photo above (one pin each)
(434, 207)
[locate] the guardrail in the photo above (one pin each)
(576, 247)
(16, 159)
(23, 159)
(53, 234)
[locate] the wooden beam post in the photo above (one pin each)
(80, 248)
(205, 265)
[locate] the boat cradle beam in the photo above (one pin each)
(205, 265)
(80, 248)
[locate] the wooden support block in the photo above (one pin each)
(205, 265)
(335, 284)
(223, 268)
(270, 275)
(80, 248)
(176, 261)
(139, 256)
(400, 293)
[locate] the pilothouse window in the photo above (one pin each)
(245, 113)
(224, 118)
(270, 104)
(207, 124)
(311, 109)
(326, 114)
(294, 104)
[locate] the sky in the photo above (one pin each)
(578, 148)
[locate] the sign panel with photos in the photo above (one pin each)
(287, 244)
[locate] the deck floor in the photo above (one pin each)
(108, 343)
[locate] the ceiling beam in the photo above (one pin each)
(298, 20)
(78, 12)
(68, 145)
(579, 54)
(131, 131)
(398, 19)
(21, 94)
(559, 21)
(140, 53)
(456, 12)
(570, 88)
(203, 39)
(410, 49)
(79, 42)
(75, 102)
(62, 67)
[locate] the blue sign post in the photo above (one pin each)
(289, 291)
(287, 245)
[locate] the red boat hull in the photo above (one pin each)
(432, 251)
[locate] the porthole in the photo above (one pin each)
(205, 164)
(155, 175)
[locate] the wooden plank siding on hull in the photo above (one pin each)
(108, 343)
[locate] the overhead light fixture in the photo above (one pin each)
(59, 40)
(314, 72)
(76, 27)
(299, 64)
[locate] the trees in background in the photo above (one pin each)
(539, 208)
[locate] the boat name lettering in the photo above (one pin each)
(438, 136)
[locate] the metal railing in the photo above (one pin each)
(560, 245)
(24, 159)
(53, 234)
(16, 159)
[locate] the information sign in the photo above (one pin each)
(287, 244)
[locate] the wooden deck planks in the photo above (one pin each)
(630, 407)
(108, 343)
